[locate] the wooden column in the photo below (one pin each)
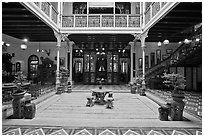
(143, 46)
(58, 36)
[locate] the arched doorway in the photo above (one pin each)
(33, 62)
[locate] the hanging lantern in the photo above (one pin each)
(23, 46)
(166, 42)
(159, 44)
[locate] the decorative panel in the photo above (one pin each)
(54, 15)
(86, 62)
(155, 8)
(67, 21)
(120, 21)
(107, 21)
(124, 65)
(147, 16)
(92, 77)
(92, 62)
(109, 62)
(94, 21)
(134, 21)
(115, 78)
(80, 21)
(86, 77)
(109, 78)
(45, 7)
(115, 63)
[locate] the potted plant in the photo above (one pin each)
(176, 82)
(139, 89)
(176, 105)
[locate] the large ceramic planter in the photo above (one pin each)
(18, 94)
(18, 104)
(176, 105)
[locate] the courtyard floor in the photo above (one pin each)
(132, 114)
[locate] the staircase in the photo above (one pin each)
(185, 55)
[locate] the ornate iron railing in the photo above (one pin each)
(180, 54)
(101, 20)
(152, 10)
(49, 10)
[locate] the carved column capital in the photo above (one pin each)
(137, 36)
(61, 37)
(64, 37)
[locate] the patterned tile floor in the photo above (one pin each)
(29, 130)
(26, 129)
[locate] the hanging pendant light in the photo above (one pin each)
(166, 42)
(23, 46)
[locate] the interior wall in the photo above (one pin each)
(23, 55)
(152, 47)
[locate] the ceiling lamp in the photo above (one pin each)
(197, 39)
(23, 46)
(7, 44)
(25, 40)
(166, 42)
(186, 41)
(159, 44)
(180, 42)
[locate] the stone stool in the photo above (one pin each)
(109, 100)
(109, 103)
(90, 101)
(59, 89)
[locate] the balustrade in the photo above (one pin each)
(49, 10)
(101, 21)
(45, 7)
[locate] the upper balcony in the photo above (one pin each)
(104, 17)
